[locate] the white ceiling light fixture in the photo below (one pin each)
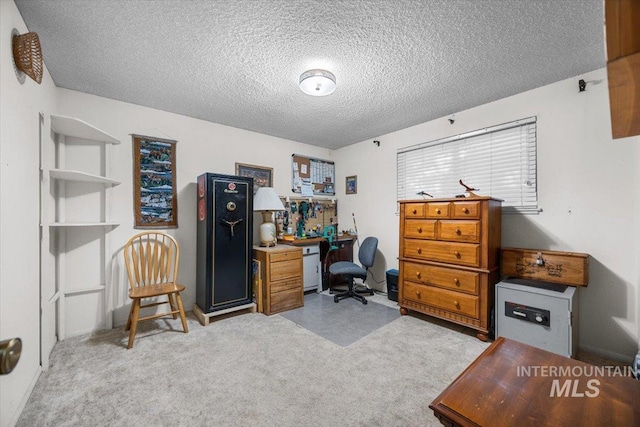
(317, 82)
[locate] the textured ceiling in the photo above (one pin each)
(397, 63)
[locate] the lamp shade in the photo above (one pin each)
(266, 199)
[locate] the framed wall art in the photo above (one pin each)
(262, 176)
(351, 184)
(155, 197)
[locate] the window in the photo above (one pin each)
(499, 161)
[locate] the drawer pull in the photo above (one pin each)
(457, 254)
(419, 250)
(438, 211)
(457, 304)
(465, 210)
(418, 294)
(415, 211)
(419, 229)
(418, 274)
(456, 281)
(458, 232)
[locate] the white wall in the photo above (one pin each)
(202, 147)
(20, 105)
(587, 187)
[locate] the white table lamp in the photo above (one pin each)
(267, 201)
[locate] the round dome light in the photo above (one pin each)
(317, 82)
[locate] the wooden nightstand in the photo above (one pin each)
(281, 277)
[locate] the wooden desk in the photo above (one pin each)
(495, 390)
(343, 253)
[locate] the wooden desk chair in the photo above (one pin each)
(152, 265)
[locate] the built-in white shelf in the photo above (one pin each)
(84, 224)
(72, 292)
(70, 175)
(75, 152)
(70, 126)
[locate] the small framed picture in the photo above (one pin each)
(352, 184)
(262, 176)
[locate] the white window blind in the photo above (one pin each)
(499, 161)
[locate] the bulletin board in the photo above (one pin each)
(312, 177)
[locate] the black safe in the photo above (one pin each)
(224, 241)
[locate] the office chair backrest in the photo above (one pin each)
(367, 252)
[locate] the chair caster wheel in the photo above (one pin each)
(335, 299)
(364, 301)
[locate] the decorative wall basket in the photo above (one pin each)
(27, 55)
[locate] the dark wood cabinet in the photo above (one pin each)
(344, 252)
(500, 389)
(623, 65)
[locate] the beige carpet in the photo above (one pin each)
(250, 370)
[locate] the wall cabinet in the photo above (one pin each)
(75, 222)
(623, 65)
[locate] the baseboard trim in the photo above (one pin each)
(607, 354)
(26, 397)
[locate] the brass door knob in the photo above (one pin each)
(415, 211)
(457, 304)
(418, 274)
(419, 250)
(457, 254)
(465, 210)
(458, 232)
(438, 211)
(10, 351)
(456, 281)
(418, 294)
(419, 229)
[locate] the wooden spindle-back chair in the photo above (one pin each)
(152, 265)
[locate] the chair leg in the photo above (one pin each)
(134, 321)
(350, 293)
(172, 304)
(182, 316)
(126, 328)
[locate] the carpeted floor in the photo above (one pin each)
(342, 323)
(250, 370)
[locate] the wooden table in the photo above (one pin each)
(514, 384)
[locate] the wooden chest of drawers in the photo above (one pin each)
(449, 255)
(281, 277)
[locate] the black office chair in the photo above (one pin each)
(366, 255)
